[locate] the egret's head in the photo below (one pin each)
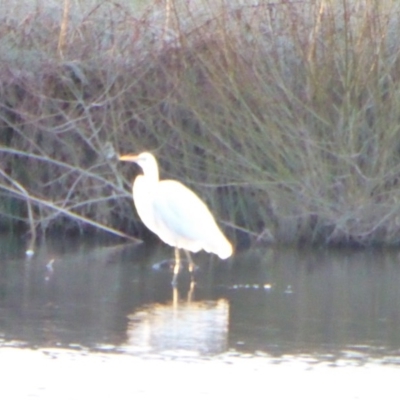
(145, 160)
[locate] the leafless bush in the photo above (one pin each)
(283, 115)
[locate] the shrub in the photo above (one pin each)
(283, 115)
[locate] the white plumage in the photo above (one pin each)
(174, 212)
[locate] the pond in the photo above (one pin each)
(298, 315)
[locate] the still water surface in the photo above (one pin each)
(325, 303)
(338, 307)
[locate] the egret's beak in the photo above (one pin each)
(129, 157)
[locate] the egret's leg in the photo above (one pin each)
(191, 291)
(191, 267)
(175, 298)
(176, 266)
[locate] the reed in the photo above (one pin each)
(283, 115)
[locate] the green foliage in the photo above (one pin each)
(284, 116)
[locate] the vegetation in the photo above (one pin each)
(283, 115)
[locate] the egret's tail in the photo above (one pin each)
(224, 249)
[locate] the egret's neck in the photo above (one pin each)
(150, 172)
(151, 177)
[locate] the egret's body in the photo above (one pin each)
(174, 212)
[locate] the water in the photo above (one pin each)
(278, 306)
(335, 303)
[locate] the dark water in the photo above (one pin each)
(273, 302)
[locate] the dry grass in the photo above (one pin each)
(283, 115)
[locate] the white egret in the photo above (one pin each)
(175, 213)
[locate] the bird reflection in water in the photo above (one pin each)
(182, 326)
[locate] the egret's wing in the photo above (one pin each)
(184, 220)
(181, 210)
